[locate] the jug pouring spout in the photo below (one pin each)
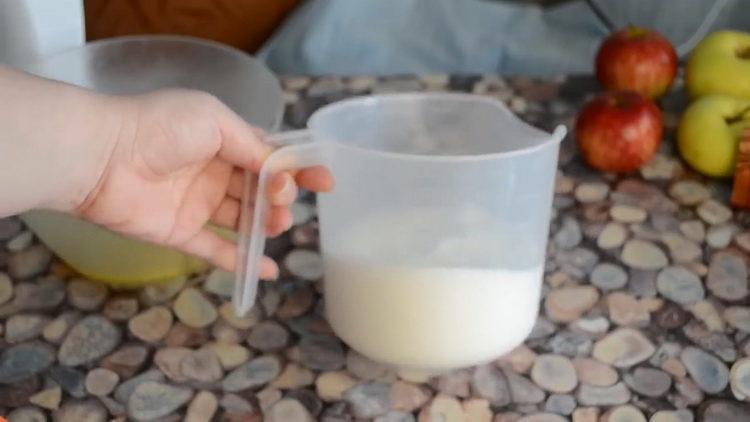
(559, 134)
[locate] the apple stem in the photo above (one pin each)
(739, 116)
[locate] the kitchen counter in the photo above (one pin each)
(645, 310)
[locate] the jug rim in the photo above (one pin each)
(552, 139)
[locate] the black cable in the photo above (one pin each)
(603, 18)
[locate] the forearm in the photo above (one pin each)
(55, 140)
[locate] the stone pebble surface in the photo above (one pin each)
(645, 314)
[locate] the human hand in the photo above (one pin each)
(178, 163)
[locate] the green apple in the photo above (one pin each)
(708, 133)
(720, 64)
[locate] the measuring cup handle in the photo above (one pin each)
(298, 153)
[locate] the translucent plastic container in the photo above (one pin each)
(434, 238)
(133, 65)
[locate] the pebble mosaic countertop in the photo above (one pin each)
(645, 313)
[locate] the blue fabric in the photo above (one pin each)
(469, 36)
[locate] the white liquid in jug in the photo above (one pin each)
(423, 317)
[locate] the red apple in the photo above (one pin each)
(619, 131)
(636, 59)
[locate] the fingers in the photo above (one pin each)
(316, 179)
(279, 221)
(223, 254)
(237, 184)
(282, 190)
(211, 247)
(269, 270)
(228, 214)
(242, 144)
(281, 193)
(201, 201)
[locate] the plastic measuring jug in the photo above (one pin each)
(434, 238)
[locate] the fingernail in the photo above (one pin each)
(273, 276)
(286, 183)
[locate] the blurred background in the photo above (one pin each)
(536, 37)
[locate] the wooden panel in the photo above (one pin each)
(244, 24)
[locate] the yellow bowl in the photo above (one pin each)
(106, 256)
